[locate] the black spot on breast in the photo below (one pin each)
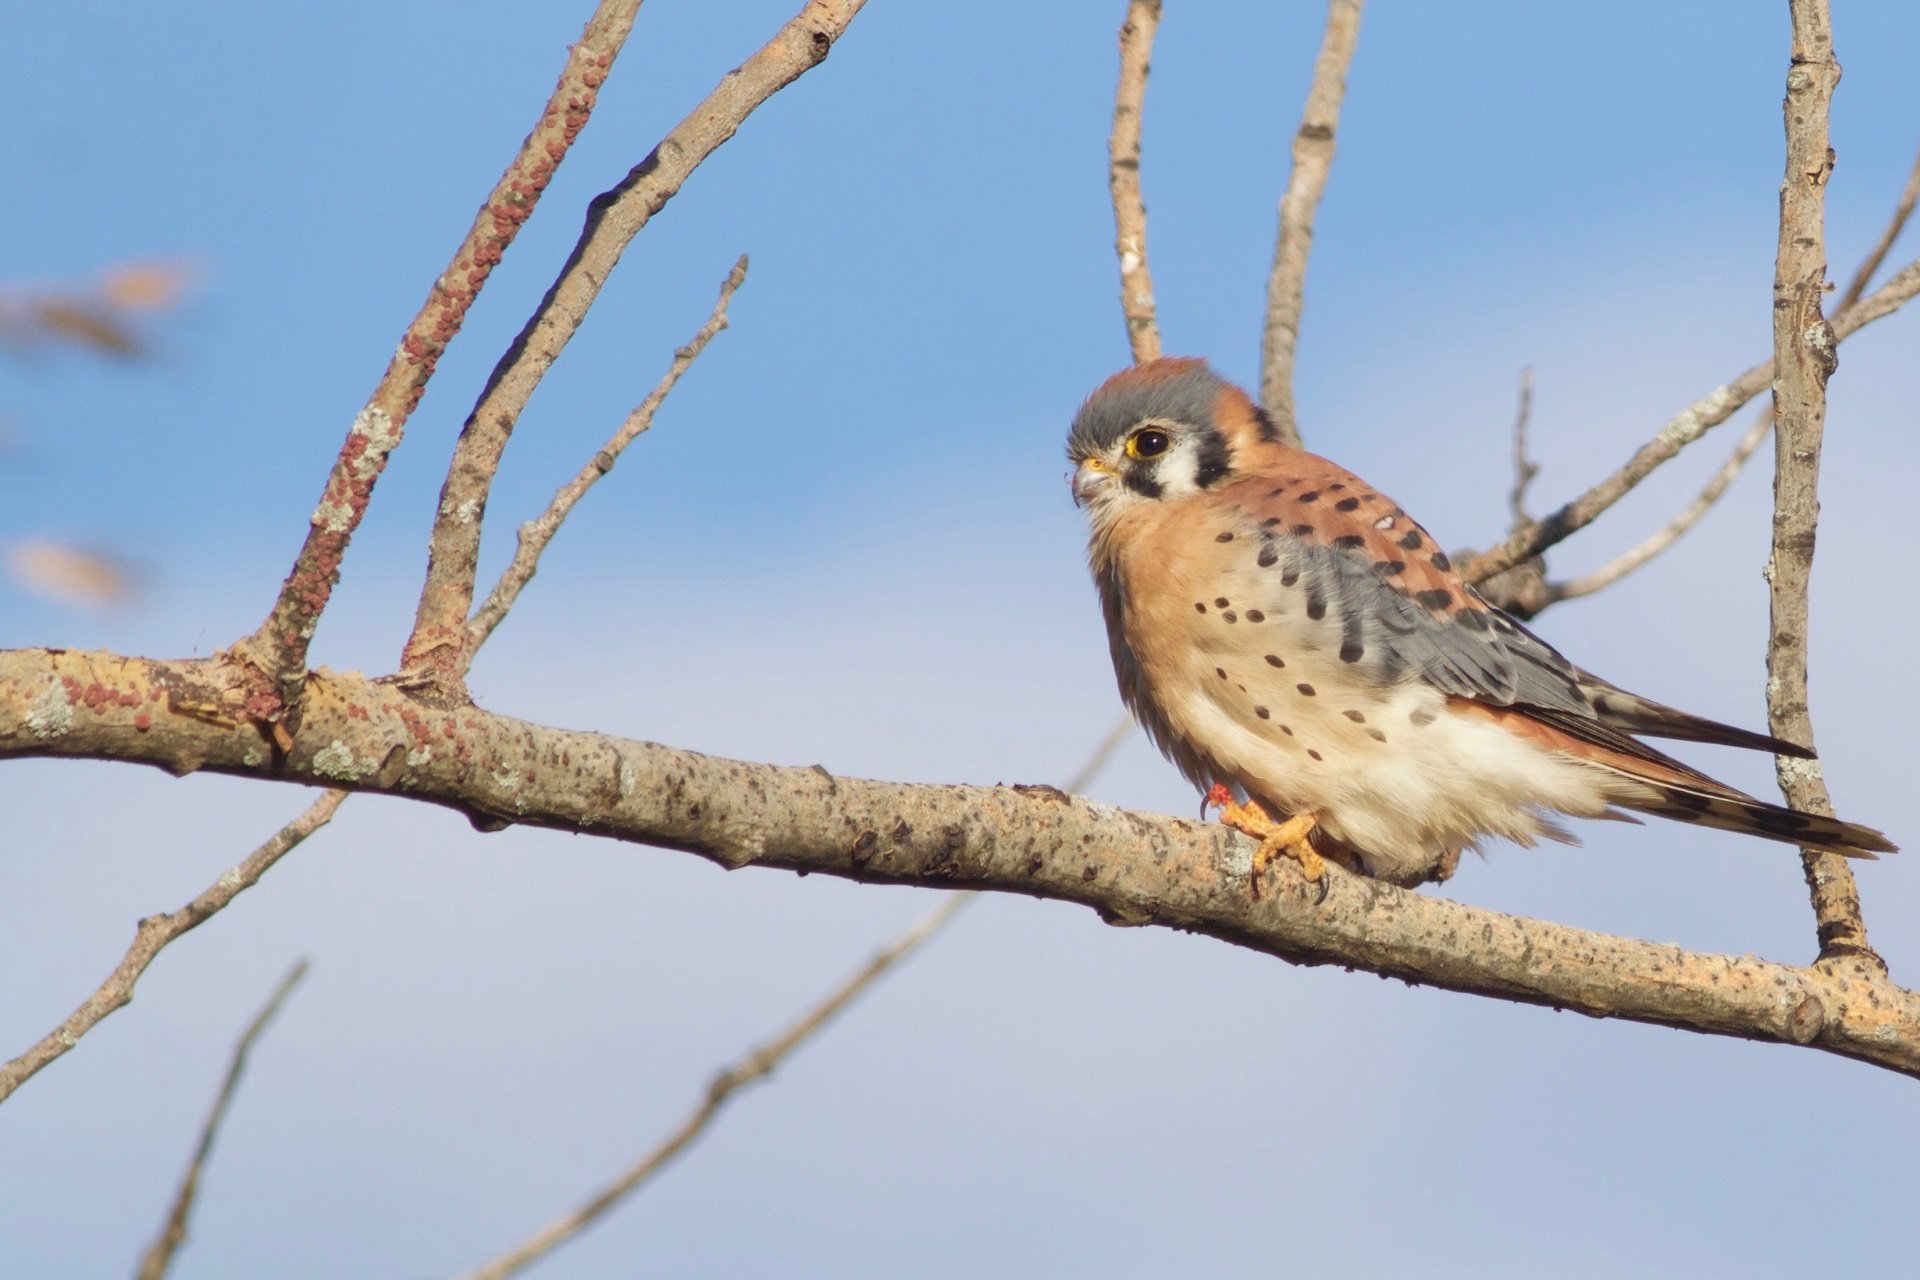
(1351, 650)
(1229, 616)
(1376, 735)
(1335, 487)
(1290, 577)
(1223, 537)
(1347, 504)
(1441, 562)
(1269, 522)
(1254, 615)
(1303, 531)
(1438, 598)
(1306, 690)
(1275, 660)
(1316, 603)
(1268, 557)
(1262, 712)
(1221, 602)
(1349, 542)
(1311, 495)
(1421, 718)
(1411, 539)
(1199, 607)
(1358, 717)
(1276, 491)
(1389, 568)
(1286, 730)
(1315, 754)
(1221, 672)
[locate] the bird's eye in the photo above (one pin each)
(1150, 442)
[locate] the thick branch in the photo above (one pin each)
(1133, 868)
(1312, 161)
(1123, 179)
(436, 651)
(159, 1256)
(1687, 426)
(1804, 357)
(279, 647)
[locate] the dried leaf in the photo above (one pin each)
(87, 579)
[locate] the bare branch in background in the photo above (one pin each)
(435, 652)
(1524, 467)
(1902, 211)
(538, 532)
(1805, 356)
(279, 647)
(155, 932)
(756, 1065)
(1687, 426)
(1123, 179)
(1718, 483)
(759, 1064)
(1652, 545)
(88, 579)
(159, 1255)
(1313, 146)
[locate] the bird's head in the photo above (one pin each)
(1158, 431)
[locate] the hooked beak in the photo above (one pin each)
(1091, 476)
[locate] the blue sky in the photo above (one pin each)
(847, 541)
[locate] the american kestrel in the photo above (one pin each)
(1284, 632)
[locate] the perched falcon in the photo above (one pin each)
(1286, 633)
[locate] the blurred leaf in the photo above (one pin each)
(69, 575)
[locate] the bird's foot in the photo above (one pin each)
(1290, 837)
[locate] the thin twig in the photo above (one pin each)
(1687, 426)
(435, 652)
(1631, 559)
(1627, 561)
(535, 534)
(1878, 254)
(1313, 146)
(1804, 353)
(1524, 467)
(279, 647)
(760, 1062)
(1123, 179)
(159, 1255)
(155, 932)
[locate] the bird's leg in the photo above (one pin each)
(1290, 837)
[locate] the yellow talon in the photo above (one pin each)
(1290, 837)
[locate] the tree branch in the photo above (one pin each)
(1123, 179)
(1805, 356)
(1312, 161)
(759, 1064)
(436, 653)
(538, 532)
(1687, 426)
(155, 932)
(159, 1255)
(1902, 210)
(1652, 545)
(279, 647)
(756, 1065)
(1134, 869)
